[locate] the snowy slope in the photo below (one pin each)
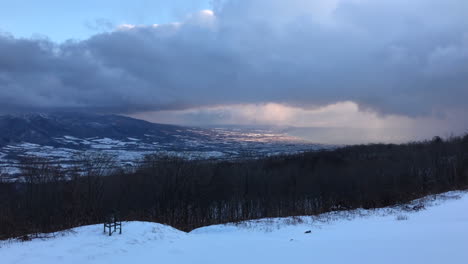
(438, 234)
(61, 138)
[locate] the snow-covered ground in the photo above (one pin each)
(438, 234)
(221, 144)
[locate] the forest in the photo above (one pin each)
(187, 194)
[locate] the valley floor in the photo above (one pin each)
(438, 234)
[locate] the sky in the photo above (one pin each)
(60, 20)
(333, 71)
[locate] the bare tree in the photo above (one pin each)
(88, 184)
(188, 193)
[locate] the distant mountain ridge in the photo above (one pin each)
(59, 137)
(44, 128)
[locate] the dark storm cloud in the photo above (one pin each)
(391, 56)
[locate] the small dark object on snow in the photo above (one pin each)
(25, 238)
(418, 207)
(113, 223)
(308, 232)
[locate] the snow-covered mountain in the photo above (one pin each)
(437, 234)
(60, 136)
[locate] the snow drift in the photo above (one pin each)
(404, 234)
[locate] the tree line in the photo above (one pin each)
(187, 194)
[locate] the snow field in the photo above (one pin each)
(438, 234)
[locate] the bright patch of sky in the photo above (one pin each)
(340, 123)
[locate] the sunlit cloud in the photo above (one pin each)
(126, 27)
(338, 123)
(207, 12)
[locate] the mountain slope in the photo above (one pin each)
(43, 129)
(60, 136)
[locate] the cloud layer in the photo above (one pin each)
(340, 123)
(391, 56)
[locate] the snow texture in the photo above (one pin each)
(404, 234)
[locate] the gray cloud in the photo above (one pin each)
(391, 56)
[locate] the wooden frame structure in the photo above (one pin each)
(113, 224)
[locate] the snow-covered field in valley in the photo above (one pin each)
(437, 234)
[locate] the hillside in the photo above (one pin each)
(438, 234)
(61, 137)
